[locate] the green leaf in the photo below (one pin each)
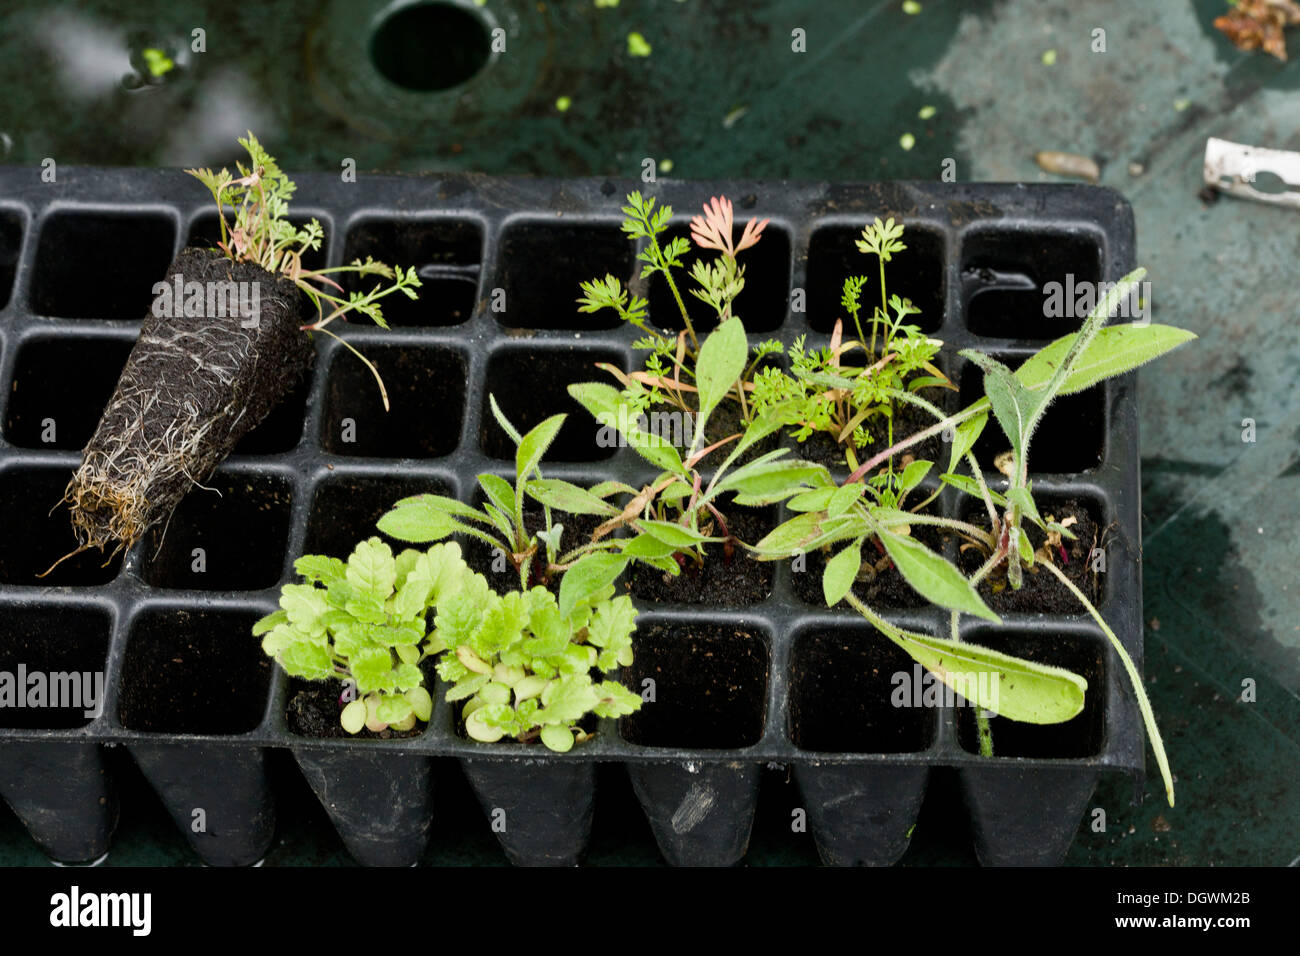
(309, 661)
(265, 624)
(843, 498)
(607, 488)
(1023, 547)
(806, 531)
(1114, 351)
(965, 436)
(913, 475)
(505, 423)
(647, 546)
(1014, 406)
(933, 577)
(817, 500)
(451, 506)
(564, 496)
(587, 577)
(841, 571)
(671, 533)
(611, 628)
(971, 487)
(533, 445)
(774, 480)
(1012, 687)
(372, 569)
(393, 709)
(468, 687)
(608, 408)
(353, 717)
(499, 492)
(372, 668)
(319, 567)
(303, 605)
(1025, 502)
(557, 738)
(720, 363)
(616, 700)
(567, 699)
(419, 520)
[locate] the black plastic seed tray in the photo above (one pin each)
(781, 679)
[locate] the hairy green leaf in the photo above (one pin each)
(933, 577)
(841, 571)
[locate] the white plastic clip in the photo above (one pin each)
(1232, 168)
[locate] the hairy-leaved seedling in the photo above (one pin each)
(858, 511)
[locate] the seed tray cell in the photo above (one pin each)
(781, 680)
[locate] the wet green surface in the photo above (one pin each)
(723, 94)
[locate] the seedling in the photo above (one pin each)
(364, 621)
(854, 512)
(262, 233)
(538, 557)
(669, 373)
(678, 513)
(215, 358)
(522, 661)
(523, 664)
(845, 401)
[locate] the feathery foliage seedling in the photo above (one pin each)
(262, 233)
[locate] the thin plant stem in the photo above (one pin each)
(1148, 717)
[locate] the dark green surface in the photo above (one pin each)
(722, 94)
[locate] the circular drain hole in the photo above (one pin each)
(430, 46)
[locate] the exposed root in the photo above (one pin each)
(192, 387)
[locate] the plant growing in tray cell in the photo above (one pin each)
(859, 510)
(522, 665)
(223, 343)
(848, 402)
(668, 375)
(680, 511)
(539, 556)
(365, 621)
(523, 662)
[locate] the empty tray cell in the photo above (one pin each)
(1080, 652)
(11, 241)
(426, 390)
(1027, 283)
(205, 233)
(542, 264)
(917, 273)
(1085, 559)
(100, 265)
(227, 535)
(38, 532)
(447, 255)
(51, 666)
(708, 683)
(60, 388)
(1070, 438)
(761, 306)
(281, 430)
(194, 672)
(852, 691)
(345, 508)
(530, 385)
